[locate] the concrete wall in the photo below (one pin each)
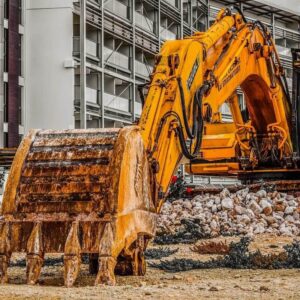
(49, 92)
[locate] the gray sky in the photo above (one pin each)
(288, 5)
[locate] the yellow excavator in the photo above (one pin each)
(98, 191)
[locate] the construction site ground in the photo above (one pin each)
(157, 284)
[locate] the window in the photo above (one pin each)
(5, 9)
(21, 12)
(20, 55)
(5, 54)
(21, 98)
(5, 108)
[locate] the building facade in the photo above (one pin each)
(11, 72)
(44, 48)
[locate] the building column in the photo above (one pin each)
(102, 65)
(83, 64)
(1, 70)
(273, 27)
(14, 53)
(132, 94)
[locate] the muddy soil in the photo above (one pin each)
(157, 284)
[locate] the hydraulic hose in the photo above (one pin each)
(185, 119)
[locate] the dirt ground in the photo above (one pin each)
(157, 284)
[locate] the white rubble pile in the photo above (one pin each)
(242, 212)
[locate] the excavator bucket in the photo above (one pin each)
(79, 192)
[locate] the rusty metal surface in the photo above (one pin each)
(79, 191)
(211, 247)
(73, 178)
(278, 185)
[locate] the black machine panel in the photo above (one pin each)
(296, 100)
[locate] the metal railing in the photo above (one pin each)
(116, 102)
(143, 69)
(167, 34)
(144, 22)
(138, 108)
(91, 94)
(117, 8)
(172, 2)
(115, 58)
(91, 46)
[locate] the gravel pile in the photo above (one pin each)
(243, 213)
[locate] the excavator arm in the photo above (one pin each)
(193, 78)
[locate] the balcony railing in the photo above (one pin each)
(91, 46)
(137, 108)
(172, 2)
(167, 34)
(116, 102)
(115, 58)
(287, 33)
(91, 94)
(143, 22)
(116, 7)
(143, 69)
(284, 51)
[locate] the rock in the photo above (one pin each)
(214, 208)
(279, 207)
(239, 209)
(296, 216)
(289, 210)
(285, 230)
(280, 201)
(261, 194)
(187, 204)
(214, 289)
(243, 219)
(264, 203)
(142, 283)
(253, 205)
(259, 228)
(213, 225)
(217, 200)
(268, 210)
(237, 213)
(289, 218)
(210, 203)
(292, 203)
(250, 213)
(270, 219)
(177, 277)
(227, 203)
(224, 194)
(264, 289)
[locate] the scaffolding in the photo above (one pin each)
(123, 36)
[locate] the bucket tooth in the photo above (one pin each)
(5, 252)
(106, 271)
(35, 254)
(107, 263)
(72, 257)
